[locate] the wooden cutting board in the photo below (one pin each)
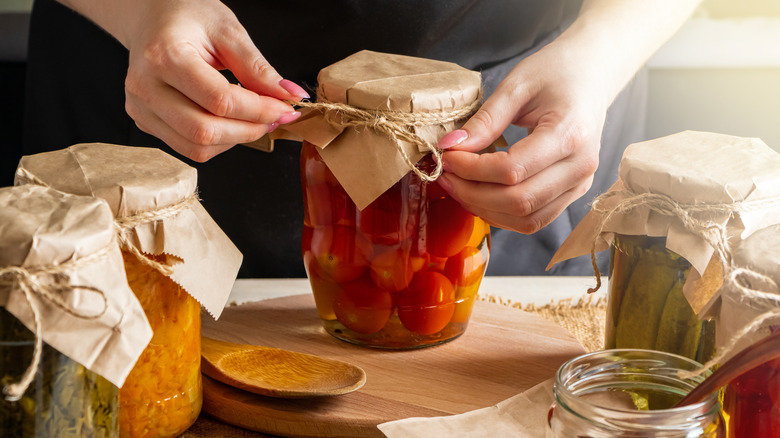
(503, 352)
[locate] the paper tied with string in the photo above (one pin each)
(747, 309)
(703, 192)
(382, 97)
(60, 265)
(153, 197)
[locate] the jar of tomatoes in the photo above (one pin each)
(394, 262)
(175, 258)
(404, 272)
(70, 328)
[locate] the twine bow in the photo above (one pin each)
(694, 218)
(32, 282)
(396, 125)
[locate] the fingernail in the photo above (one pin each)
(288, 117)
(294, 89)
(272, 126)
(454, 138)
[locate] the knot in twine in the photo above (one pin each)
(396, 125)
(47, 283)
(125, 224)
(693, 218)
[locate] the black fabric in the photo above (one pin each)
(75, 93)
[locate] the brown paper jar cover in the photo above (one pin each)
(367, 162)
(692, 168)
(42, 228)
(136, 180)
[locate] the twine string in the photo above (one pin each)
(29, 281)
(715, 234)
(396, 125)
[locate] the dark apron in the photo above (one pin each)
(75, 94)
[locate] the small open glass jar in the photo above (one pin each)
(403, 272)
(624, 392)
(646, 306)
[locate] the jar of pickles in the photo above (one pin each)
(393, 260)
(176, 258)
(751, 402)
(631, 393)
(680, 201)
(70, 328)
(647, 307)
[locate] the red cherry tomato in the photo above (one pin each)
(391, 218)
(427, 305)
(449, 227)
(466, 267)
(341, 252)
(392, 270)
(326, 204)
(313, 168)
(362, 306)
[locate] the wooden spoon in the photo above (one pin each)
(744, 361)
(277, 373)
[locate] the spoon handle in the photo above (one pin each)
(744, 361)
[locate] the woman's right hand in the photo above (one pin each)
(174, 89)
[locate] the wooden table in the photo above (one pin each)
(504, 337)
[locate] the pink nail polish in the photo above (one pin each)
(454, 138)
(272, 126)
(294, 89)
(288, 117)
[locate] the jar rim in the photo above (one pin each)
(592, 371)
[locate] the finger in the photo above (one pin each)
(489, 122)
(524, 198)
(199, 135)
(524, 223)
(238, 53)
(208, 88)
(521, 161)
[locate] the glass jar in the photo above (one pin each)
(64, 400)
(646, 306)
(163, 395)
(630, 393)
(403, 272)
(751, 402)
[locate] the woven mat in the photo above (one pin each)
(584, 319)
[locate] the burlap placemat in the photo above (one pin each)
(584, 319)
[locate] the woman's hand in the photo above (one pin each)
(561, 94)
(174, 89)
(527, 186)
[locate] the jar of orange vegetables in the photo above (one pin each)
(176, 258)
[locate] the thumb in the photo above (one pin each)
(483, 128)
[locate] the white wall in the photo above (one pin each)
(718, 74)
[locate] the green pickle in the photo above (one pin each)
(647, 308)
(64, 400)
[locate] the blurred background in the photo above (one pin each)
(720, 73)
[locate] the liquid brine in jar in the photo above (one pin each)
(401, 273)
(162, 396)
